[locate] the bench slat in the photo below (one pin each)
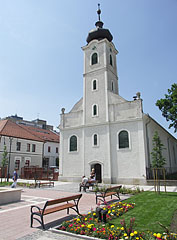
(65, 199)
(58, 208)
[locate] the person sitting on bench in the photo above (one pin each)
(83, 183)
(92, 176)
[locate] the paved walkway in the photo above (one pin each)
(15, 217)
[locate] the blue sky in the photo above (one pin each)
(41, 60)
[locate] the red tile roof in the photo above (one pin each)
(11, 129)
(45, 135)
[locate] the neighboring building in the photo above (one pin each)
(50, 147)
(35, 123)
(105, 131)
(28, 146)
(24, 148)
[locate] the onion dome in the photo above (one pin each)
(99, 32)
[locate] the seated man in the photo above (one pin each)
(92, 176)
(83, 183)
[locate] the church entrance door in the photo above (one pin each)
(97, 168)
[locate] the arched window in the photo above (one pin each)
(94, 85)
(73, 143)
(94, 58)
(123, 139)
(95, 110)
(110, 59)
(95, 139)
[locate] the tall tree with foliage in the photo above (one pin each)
(4, 161)
(158, 161)
(168, 106)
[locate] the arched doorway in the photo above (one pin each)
(98, 172)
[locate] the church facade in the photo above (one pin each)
(105, 131)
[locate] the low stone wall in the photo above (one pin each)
(9, 195)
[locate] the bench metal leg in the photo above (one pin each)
(31, 220)
(42, 222)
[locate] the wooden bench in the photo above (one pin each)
(88, 185)
(53, 206)
(111, 191)
(49, 183)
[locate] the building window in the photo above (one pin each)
(28, 147)
(112, 86)
(49, 148)
(110, 59)
(27, 163)
(94, 58)
(18, 146)
(123, 139)
(45, 163)
(17, 164)
(94, 85)
(95, 110)
(56, 149)
(73, 143)
(33, 147)
(95, 140)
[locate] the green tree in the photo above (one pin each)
(158, 161)
(168, 106)
(4, 161)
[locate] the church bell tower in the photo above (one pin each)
(100, 74)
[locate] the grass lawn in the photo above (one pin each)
(150, 209)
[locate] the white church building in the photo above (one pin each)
(105, 131)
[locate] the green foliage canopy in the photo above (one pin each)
(4, 161)
(168, 106)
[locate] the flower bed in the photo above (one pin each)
(90, 225)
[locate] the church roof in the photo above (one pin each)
(99, 32)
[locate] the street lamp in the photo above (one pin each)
(10, 140)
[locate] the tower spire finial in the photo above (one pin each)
(99, 12)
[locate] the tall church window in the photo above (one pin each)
(94, 58)
(112, 86)
(110, 59)
(95, 139)
(95, 110)
(94, 85)
(73, 143)
(123, 139)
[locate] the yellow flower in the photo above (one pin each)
(135, 232)
(78, 220)
(113, 210)
(159, 235)
(137, 238)
(125, 234)
(85, 219)
(112, 226)
(89, 212)
(82, 225)
(122, 228)
(155, 235)
(131, 234)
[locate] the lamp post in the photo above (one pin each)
(10, 140)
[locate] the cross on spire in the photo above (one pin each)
(99, 11)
